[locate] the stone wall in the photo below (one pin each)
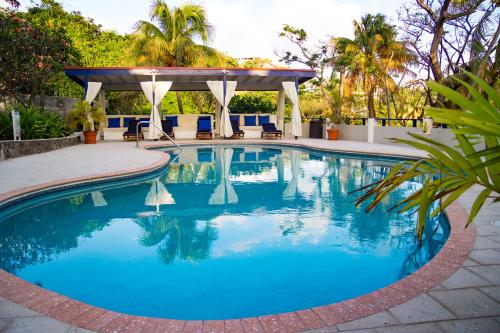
(11, 149)
(61, 105)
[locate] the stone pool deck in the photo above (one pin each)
(467, 301)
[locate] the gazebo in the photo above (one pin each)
(155, 82)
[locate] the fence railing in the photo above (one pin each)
(385, 122)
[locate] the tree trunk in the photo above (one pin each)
(436, 42)
(341, 92)
(388, 101)
(179, 102)
(371, 102)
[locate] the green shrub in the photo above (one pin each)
(36, 123)
(254, 102)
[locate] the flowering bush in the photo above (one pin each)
(29, 55)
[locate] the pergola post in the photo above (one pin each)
(224, 85)
(101, 99)
(297, 89)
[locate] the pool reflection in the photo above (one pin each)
(227, 203)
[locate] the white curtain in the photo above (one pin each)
(280, 112)
(225, 188)
(158, 195)
(217, 89)
(155, 91)
(291, 188)
(92, 91)
(296, 123)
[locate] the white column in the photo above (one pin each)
(101, 99)
(371, 129)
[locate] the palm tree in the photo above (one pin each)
(448, 172)
(170, 39)
(371, 58)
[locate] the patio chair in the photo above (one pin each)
(168, 128)
(270, 130)
(204, 129)
(131, 133)
(237, 132)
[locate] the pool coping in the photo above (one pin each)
(79, 314)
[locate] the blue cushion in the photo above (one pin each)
(204, 125)
(263, 120)
(250, 121)
(144, 124)
(204, 117)
(173, 119)
(126, 120)
(269, 127)
(113, 122)
(234, 118)
(204, 155)
(251, 156)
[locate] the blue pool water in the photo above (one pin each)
(224, 232)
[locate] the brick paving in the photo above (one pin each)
(467, 301)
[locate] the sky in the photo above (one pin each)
(247, 28)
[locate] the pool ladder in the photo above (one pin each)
(160, 129)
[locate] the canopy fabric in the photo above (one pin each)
(98, 199)
(296, 122)
(280, 111)
(225, 188)
(91, 93)
(217, 89)
(158, 195)
(155, 91)
(291, 188)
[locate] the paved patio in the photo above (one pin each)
(468, 301)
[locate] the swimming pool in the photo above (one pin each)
(223, 232)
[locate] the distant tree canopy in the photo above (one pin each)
(90, 44)
(30, 55)
(256, 102)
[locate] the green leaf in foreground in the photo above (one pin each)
(450, 171)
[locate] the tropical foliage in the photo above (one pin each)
(36, 123)
(85, 116)
(169, 39)
(90, 45)
(259, 102)
(29, 56)
(450, 171)
(371, 59)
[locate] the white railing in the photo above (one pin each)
(160, 129)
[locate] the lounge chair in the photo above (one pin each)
(237, 132)
(131, 133)
(269, 129)
(204, 129)
(168, 128)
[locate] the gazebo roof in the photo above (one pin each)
(187, 78)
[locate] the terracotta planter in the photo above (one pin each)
(333, 133)
(90, 137)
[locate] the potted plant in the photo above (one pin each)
(333, 129)
(88, 117)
